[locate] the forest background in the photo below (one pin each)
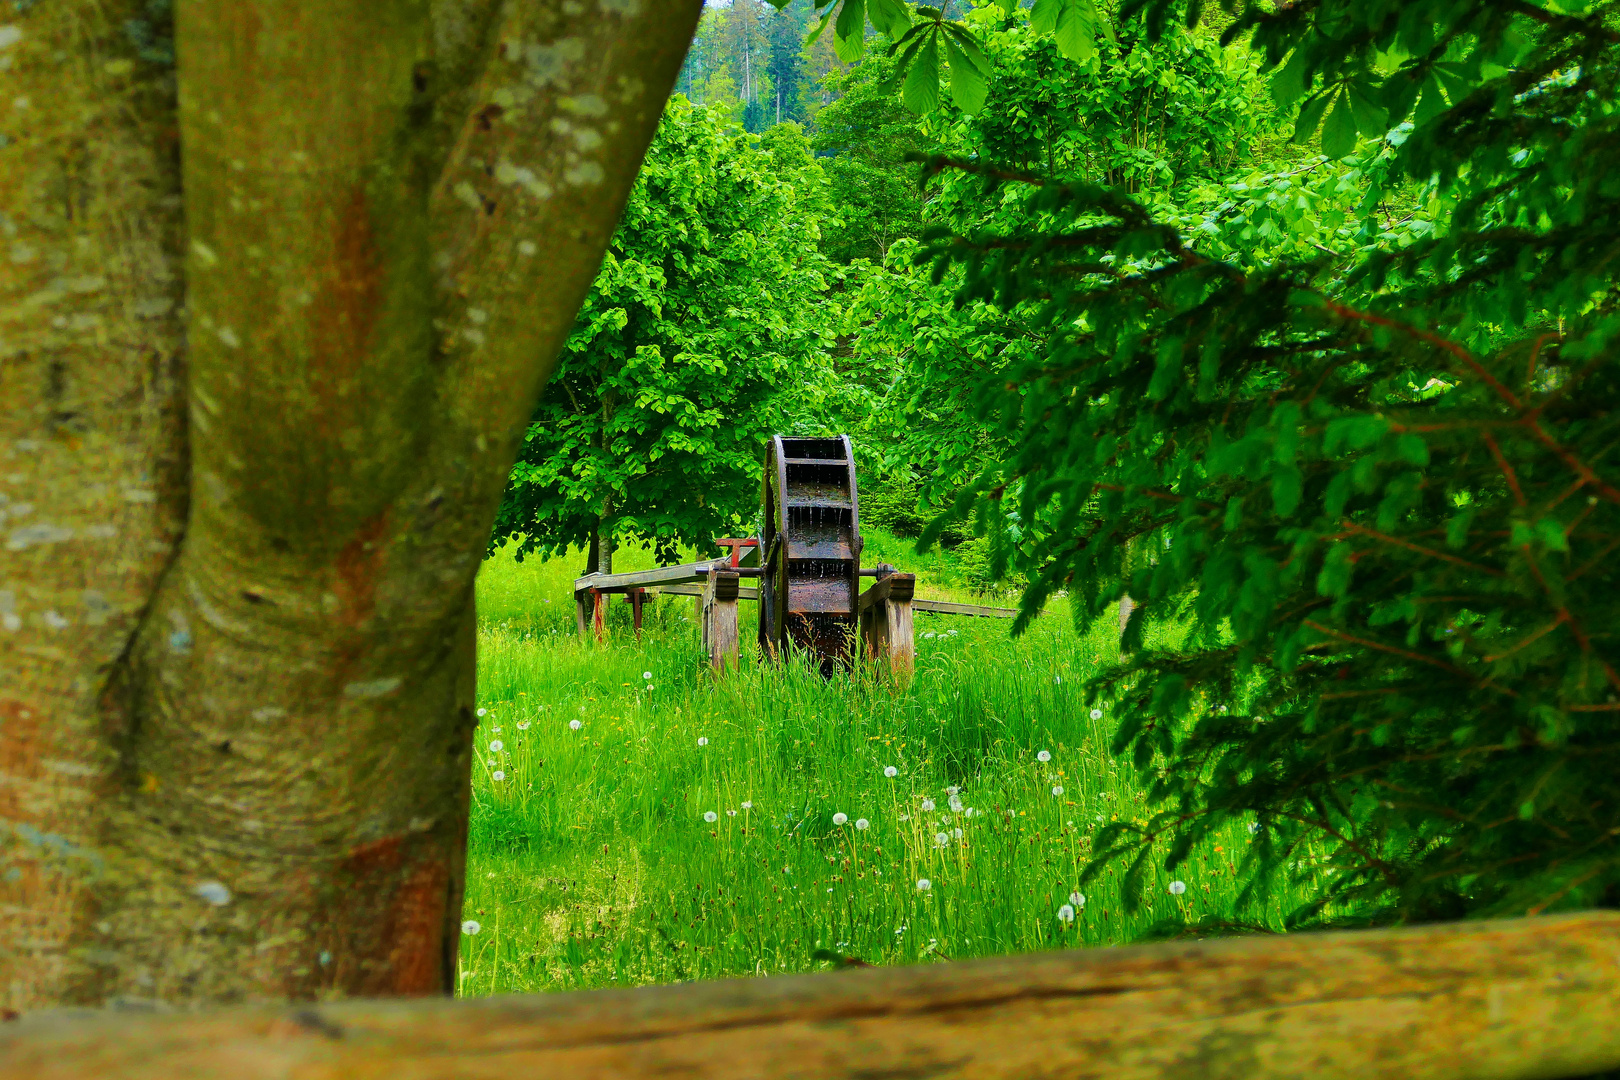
(1290, 322)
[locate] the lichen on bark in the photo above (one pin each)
(236, 706)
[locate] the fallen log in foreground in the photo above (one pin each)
(1517, 999)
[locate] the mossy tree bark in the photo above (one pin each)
(276, 307)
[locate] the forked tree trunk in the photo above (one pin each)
(236, 624)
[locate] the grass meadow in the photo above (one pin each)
(636, 820)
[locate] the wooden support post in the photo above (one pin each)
(636, 598)
(720, 619)
(599, 614)
(582, 605)
(886, 626)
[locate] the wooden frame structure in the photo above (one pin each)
(884, 610)
(1510, 999)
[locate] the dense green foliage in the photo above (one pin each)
(1366, 470)
(1294, 324)
(689, 349)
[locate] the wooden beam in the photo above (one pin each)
(661, 575)
(892, 587)
(946, 607)
(744, 592)
(1488, 1000)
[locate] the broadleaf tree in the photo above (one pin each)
(703, 333)
(278, 302)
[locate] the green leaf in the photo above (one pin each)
(920, 93)
(849, 32)
(1431, 104)
(1371, 118)
(1289, 83)
(968, 86)
(889, 16)
(1551, 533)
(1310, 116)
(1076, 38)
(1339, 132)
(1043, 17)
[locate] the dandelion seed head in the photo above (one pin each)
(470, 927)
(1065, 914)
(1057, 789)
(891, 772)
(483, 712)
(646, 675)
(928, 805)
(952, 790)
(496, 746)
(1177, 888)
(574, 725)
(497, 776)
(1044, 755)
(703, 740)
(941, 839)
(1096, 714)
(862, 824)
(731, 813)
(711, 817)
(840, 818)
(523, 725)
(923, 884)
(748, 805)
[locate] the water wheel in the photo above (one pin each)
(810, 543)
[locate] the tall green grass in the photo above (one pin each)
(592, 863)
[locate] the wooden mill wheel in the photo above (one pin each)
(810, 544)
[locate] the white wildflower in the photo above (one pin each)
(711, 817)
(483, 712)
(703, 740)
(646, 675)
(862, 824)
(941, 839)
(574, 725)
(839, 819)
(1065, 914)
(1078, 900)
(1044, 755)
(1057, 789)
(497, 776)
(891, 772)
(1177, 888)
(928, 805)
(496, 746)
(470, 927)
(923, 884)
(1096, 714)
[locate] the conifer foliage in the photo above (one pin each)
(1379, 496)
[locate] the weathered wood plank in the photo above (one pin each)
(1521, 998)
(744, 592)
(890, 587)
(661, 575)
(946, 607)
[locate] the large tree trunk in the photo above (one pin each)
(236, 625)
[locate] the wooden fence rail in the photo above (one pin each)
(1504, 1000)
